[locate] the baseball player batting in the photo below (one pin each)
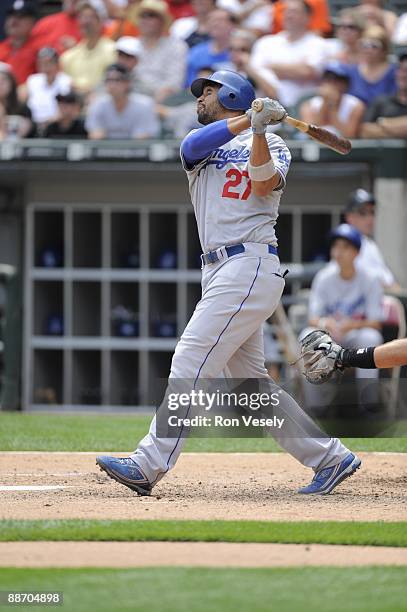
(236, 172)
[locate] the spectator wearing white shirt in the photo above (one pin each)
(333, 108)
(360, 213)
(162, 64)
(194, 29)
(295, 56)
(263, 80)
(40, 90)
(120, 114)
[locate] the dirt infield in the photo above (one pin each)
(256, 486)
(193, 554)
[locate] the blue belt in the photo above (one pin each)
(212, 256)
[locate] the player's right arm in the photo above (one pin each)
(200, 143)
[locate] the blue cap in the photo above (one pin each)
(349, 233)
(337, 69)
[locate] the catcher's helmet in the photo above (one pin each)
(235, 93)
(349, 233)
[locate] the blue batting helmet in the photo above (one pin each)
(349, 233)
(235, 93)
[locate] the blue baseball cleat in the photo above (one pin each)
(125, 471)
(327, 479)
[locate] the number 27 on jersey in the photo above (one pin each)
(233, 186)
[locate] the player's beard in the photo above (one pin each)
(209, 115)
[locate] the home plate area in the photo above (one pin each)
(211, 486)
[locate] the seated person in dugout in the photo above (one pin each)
(346, 300)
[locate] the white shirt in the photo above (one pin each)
(41, 95)
(346, 106)
(183, 27)
(358, 298)
(371, 259)
(163, 65)
(400, 33)
(226, 210)
(310, 49)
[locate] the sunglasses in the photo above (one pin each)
(114, 80)
(348, 26)
(240, 49)
(371, 44)
(149, 15)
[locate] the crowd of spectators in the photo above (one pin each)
(122, 68)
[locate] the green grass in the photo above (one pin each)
(365, 589)
(310, 532)
(62, 432)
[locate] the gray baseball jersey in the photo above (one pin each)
(226, 210)
(224, 335)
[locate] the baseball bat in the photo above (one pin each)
(325, 137)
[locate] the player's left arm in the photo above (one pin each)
(260, 156)
(269, 157)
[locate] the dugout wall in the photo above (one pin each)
(105, 238)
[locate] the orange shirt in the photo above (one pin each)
(319, 21)
(52, 30)
(118, 28)
(23, 61)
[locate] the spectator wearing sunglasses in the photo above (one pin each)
(373, 75)
(120, 114)
(348, 31)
